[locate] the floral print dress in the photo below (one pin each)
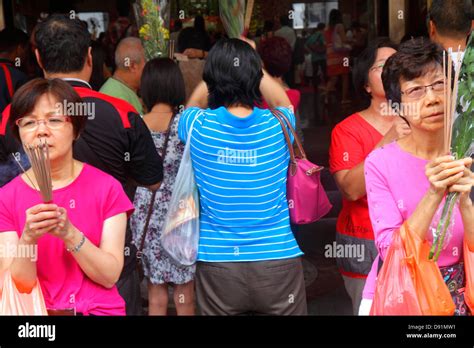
(157, 266)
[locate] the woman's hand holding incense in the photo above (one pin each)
(443, 172)
(40, 219)
(64, 228)
(464, 185)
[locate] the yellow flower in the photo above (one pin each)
(144, 30)
(165, 32)
(146, 4)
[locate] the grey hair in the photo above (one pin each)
(129, 50)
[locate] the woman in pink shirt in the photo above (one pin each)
(79, 236)
(407, 180)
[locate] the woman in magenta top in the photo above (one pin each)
(408, 179)
(79, 237)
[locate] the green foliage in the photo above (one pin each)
(463, 129)
(462, 139)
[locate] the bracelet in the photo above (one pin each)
(79, 246)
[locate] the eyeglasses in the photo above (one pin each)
(377, 67)
(30, 124)
(420, 91)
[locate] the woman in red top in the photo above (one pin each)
(351, 141)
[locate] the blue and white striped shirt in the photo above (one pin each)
(240, 165)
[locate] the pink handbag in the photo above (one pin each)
(307, 200)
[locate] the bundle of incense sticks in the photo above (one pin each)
(450, 94)
(171, 45)
(248, 16)
(39, 159)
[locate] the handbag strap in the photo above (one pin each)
(302, 155)
(153, 195)
(280, 116)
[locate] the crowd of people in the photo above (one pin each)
(115, 155)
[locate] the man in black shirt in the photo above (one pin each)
(115, 139)
(12, 46)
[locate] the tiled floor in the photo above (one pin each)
(326, 294)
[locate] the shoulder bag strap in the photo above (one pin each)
(282, 118)
(293, 163)
(153, 195)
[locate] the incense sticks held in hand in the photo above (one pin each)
(39, 159)
(450, 95)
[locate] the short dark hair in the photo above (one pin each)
(362, 64)
(25, 99)
(199, 23)
(335, 17)
(98, 60)
(62, 43)
(285, 20)
(190, 38)
(11, 38)
(268, 25)
(451, 17)
(414, 58)
(178, 25)
(162, 82)
(276, 54)
(233, 72)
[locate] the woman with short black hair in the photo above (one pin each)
(162, 90)
(407, 180)
(248, 258)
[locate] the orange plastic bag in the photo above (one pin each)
(395, 293)
(432, 293)
(409, 283)
(469, 270)
(12, 302)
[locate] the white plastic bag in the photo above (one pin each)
(13, 302)
(180, 238)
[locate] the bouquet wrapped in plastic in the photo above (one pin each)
(459, 135)
(152, 28)
(232, 16)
